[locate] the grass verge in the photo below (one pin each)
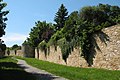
(9, 70)
(74, 73)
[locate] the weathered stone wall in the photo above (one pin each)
(53, 56)
(2, 53)
(74, 59)
(28, 51)
(108, 55)
(12, 53)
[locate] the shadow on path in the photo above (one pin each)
(11, 71)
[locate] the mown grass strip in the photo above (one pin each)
(74, 73)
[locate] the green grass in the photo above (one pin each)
(74, 73)
(9, 70)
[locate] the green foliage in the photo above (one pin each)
(41, 31)
(2, 18)
(2, 23)
(75, 30)
(70, 26)
(68, 46)
(65, 48)
(60, 17)
(112, 12)
(58, 35)
(79, 27)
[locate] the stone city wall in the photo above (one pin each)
(12, 53)
(108, 55)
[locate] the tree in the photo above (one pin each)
(70, 25)
(15, 47)
(2, 23)
(2, 18)
(34, 39)
(112, 12)
(93, 15)
(41, 31)
(60, 17)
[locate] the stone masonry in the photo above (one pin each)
(108, 57)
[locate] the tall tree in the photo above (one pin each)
(2, 18)
(60, 17)
(2, 23)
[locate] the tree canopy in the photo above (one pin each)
(41, 31)
(60, 17)
(15, 47)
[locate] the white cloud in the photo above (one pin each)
(14, 38)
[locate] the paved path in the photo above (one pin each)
(40, 74)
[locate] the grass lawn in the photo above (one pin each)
(74, 73)
(9, 70)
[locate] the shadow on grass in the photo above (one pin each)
(11, 71)
(40, 76)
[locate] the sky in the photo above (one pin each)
(24, 13)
